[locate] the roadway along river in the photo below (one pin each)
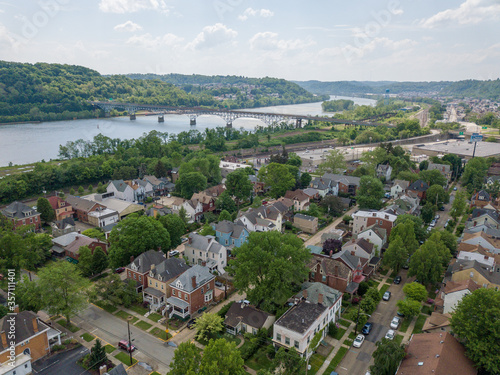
(28, 143)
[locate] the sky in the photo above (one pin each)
(326, 40)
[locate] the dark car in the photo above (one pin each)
(397, 280)
(190, 324)
(119, 269)
(441, 208)
(367, 329)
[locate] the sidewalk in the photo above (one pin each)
(337, 344)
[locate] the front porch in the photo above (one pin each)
(155, 298)
(180, 308)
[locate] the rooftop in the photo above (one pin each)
(246, 314)
(461, 148)
(300, 317)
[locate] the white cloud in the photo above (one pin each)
(128, 26)
(361, 49)
(148, 41)
(131, 6)
(249, 12)
(212, 36)
(6, 37)
(469, 12)
(270, 41)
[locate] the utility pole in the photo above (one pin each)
(474, 152)
(129, 342)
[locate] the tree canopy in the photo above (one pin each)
(334, 162)
(278, 177)
(387, 357)
(370, 193)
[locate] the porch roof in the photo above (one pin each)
(177, 302)
(154, 292)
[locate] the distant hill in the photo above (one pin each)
(460, 89)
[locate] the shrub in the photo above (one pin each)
(224, 309)
(363, 288)
(332, 329)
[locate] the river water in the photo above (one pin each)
(32, 142)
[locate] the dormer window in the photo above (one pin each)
(179, 285)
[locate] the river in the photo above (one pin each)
(32, 142)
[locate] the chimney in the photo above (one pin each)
(131, 259)
(336, 270)
(103, 370)
(79, 231)
(193, 281)
(152, 267)
(353, 240)
(77, 237)
(320, 299)
(35, 324)
(421, 184)
(203, 264)
(190, 240)
(461, 267)
(3, 335)
(304, 293)
(353, 252)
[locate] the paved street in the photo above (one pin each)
(357, 361)
(112, 329)
(62, 363)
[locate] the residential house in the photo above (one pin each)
(479, 254)
(194, 210)
(177, 203)
(362, 268)
(117, 370)
(335, 234)
(191, 291)
(451, 293)
(319, 293)
(375, 235)
(206, 251)
(19, 214)
(288, 203)
(343, 184)
(437, 322)
(264, 218)
(480, 199)
(107, 230)
(481, 238)
(312, 193)
(102, 217)
(299, 198)
(365, 219)
(419, 188)
(159, 185)
(484, 216)
(174, 174)
(62, 227)
(62, 208)
(207, 201)
(494, 169)
(490, 180)
(123, 207)
(306, 223)
(399, 188)
(157, 210)
(82, 207)
(32, 340)
(384, 171)
(215, 191)
(139, 268)
(437, 353)
(243, 318)
(143, 188)
(324, 186)
(334, 273)
(159, 279)
(230, 234)
(258, 186)
(72, 243)
(444, 169)
(122, 190)
(463, 270)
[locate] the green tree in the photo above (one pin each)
(175, 227)
(38, 249)
(305, 180)
(288, 362)
(239, 185)
(186, 361)
(268, 266)
(423, 165)
(475, 321)
(313, 210)
(99, 261)
(100, 189)
(278, 178)
(333, 205)
(46, 212)
(81, 190)
(436, 195)
(190, 183)
(458, 206)
(449, 240)
(90, 189)
(225, 202)
(95, 233)
(409, 307)
(396, 255)
(406, 232)
(418, 225)
(28, 295)
(113, 290)
(208, 325)
(160, 170)
(183, 215)
(387, 357)
(97, 356)
(370, 193)
(427, 262)
(428, 212)
(432, 177)
(221, 357)
(85, 261)
(62, 289)
(415, 291)
(474, 173)
(207, 230)
(224, 215)
(334, 162)
(135, 235)
(72, 191)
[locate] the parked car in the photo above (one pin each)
(455, 188)
(119, 269)
(395, 322)
(184, 239)
(126, 345)
(441, 208)
(437, 217)
(386, 296)
(399, 313)
(190, 324)
(173, 253)
(390, 334)
(432, 224)
(397, 280)
(218, 284)
(367, 328)
(358, 341)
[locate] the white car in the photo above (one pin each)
(173, 253)
(395, 322)
(390, 334)
(358, 341)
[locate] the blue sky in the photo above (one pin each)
(325, 40)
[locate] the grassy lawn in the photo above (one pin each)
(419, 323)
(125, 358)
(394, 274)
(155, 373)
(106, 306)
(125, 316)
(225, 336)
(160, 333)
(427, 310)
(154, 317)
(345, 323)
(316, 361)
(405, 324)
(109, 348)
(69, 326)
(336, 360)
(390, 280)
(352, 335)
(259, 360)
(87, 337)
(138, 309)
(143, 325)
(384, 289)
(348, 342)
(399, 339)
(340, 333)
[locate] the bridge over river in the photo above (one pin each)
(228, 115)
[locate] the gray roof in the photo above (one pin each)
(154, 292)
(80, 204)
(321, 183)
(119, 185)
(204, 243)
(311, 191)
(305, 217)
(107, 228)
(404, 184)
(351, 287)
(118, 370)
(169, 268)
(153, 180)
(146, 259)
(61, 224)
(300, 317)
(419, 185)
(482, 194)
(245, 314)
(19, 210)
(330, 295)
(225, 226)
(202, 276)
(67, 238)
(177, 302)
(477, 212)
(444, 168)
(349, 260)
(345, 179)
(23, 326)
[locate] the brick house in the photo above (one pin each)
(207, 201)
(20, 214)
(365, 219)
(360, 248)
(82, 207)
(70, 243)
(333, 273)
(62, 208)
(191, 291)
(307, 223)
(419, 188)
(139, 268)
(480, 199)
(33, 339)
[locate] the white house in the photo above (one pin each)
(452, 293)
(384, 170)
(121, 190)
(102, 217)
(375, 235)
(314, 309)
(360, 248)
(193, 208)
(481, 238)
(485, 260)
(399, 188)
(206, 251)
(365, 219)
(262, 219)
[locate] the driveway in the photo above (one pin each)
(111, 329)
(357, 361)
(62, 363)
(316, 239)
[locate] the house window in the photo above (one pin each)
(208, 297)
(200, 253)
(208, 286)
(254, 331)
(129, 274)
(287, 340)
(313, 275)
(278, 337)
(173, 292)
(140, 278)
(135, 276)
(162, 286)
(296, 344)
(201, 290)
(186, 296)
(150, 282)
(156, 284)
(323, 278)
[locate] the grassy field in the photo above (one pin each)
(143, 325)
(109, 348)
(340, 333)
(419, 324)
(87, 337)
(106, 306)
(125, 358)
(336, 360)
(154, 317)
(352, 335)
(125, 316)
(138, 309)
(160, 333)
(316, 361)
(345, 323)
(348, 342)
(69, 326)
(399, 339)
(405, 324)
(384, 289)
(259, 360)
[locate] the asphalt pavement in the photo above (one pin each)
(62, 363)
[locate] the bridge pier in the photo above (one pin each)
(298, 123)
(229, 124)
(161, 118)
(192, 120)
(132, 116)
